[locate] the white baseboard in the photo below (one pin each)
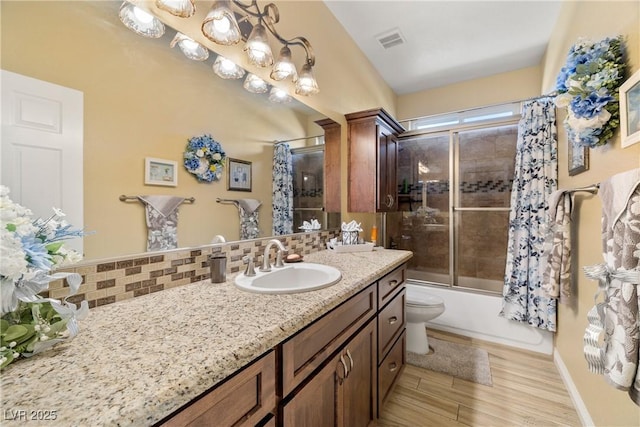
(581, 408)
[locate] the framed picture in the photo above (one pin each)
(160, 172)
(630, 110)
(578, 158)
(238, 175)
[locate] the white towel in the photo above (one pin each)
(249, 205)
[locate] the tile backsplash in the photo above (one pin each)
(118, 279)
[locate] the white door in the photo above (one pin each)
(41, 153)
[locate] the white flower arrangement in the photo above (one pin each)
(588, 87)
(30, 249)
(204, 158)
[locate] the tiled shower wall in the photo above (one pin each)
(118, 279)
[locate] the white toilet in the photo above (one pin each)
(421, 307)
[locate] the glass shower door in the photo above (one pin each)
(422, 223)
(308, 186)
(485, 169)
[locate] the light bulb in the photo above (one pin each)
(222, 24)
(227, 65)
(143, 16)
(189, 44)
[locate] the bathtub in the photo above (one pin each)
(476, 315)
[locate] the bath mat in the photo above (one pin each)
(458, 360)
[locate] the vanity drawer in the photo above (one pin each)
(309, 348)
(388, 285)
(390, 320)
(243, 400)
(390, 368)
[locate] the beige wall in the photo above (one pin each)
(607, 406)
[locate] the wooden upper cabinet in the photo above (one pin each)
(331, 164)
(373, 161)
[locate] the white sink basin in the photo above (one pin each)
(290, 279)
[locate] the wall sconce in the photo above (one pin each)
(279, 96)
(140, 21)
(255, 84)
(227, 69)
(284, 67)
(306, 83)
(181, 8)
(221, 26)
(191, 48)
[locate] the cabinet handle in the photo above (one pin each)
(393, 366)
(392, 282)
(389, 200)
(344, 365)
(350, 359)
(393, 320)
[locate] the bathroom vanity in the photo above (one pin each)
(212, 354)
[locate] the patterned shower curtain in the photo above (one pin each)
(536, 177)
(282, 189)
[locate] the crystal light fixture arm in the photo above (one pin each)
(270, 16)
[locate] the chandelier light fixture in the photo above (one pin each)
(229, 22)
(191, 48)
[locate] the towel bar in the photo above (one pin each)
(124, 198)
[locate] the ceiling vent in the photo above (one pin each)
(390, 38)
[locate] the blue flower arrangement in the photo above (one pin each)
(588, 86)
(204, 158)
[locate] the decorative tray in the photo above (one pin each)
(365, 247)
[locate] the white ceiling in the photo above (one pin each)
(448, 41)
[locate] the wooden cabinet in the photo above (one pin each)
(337, 371)
(373, 158)
(344, 392)
(309, 348)
(243, 400)
(391, 331)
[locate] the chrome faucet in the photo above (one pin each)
(266, 265)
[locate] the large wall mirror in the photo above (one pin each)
(143, 99)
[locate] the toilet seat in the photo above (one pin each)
(418, 299)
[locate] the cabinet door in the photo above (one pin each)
(344, 392)
(315, 405)
(387, 192)
(359, 389)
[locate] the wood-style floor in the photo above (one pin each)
(527, 391)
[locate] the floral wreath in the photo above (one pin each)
(588, 86)
(204, 158)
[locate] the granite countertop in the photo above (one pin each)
(137, 361)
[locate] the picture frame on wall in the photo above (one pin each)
(239, 175)
(160, 172)
(630, 110)
(578, 158)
